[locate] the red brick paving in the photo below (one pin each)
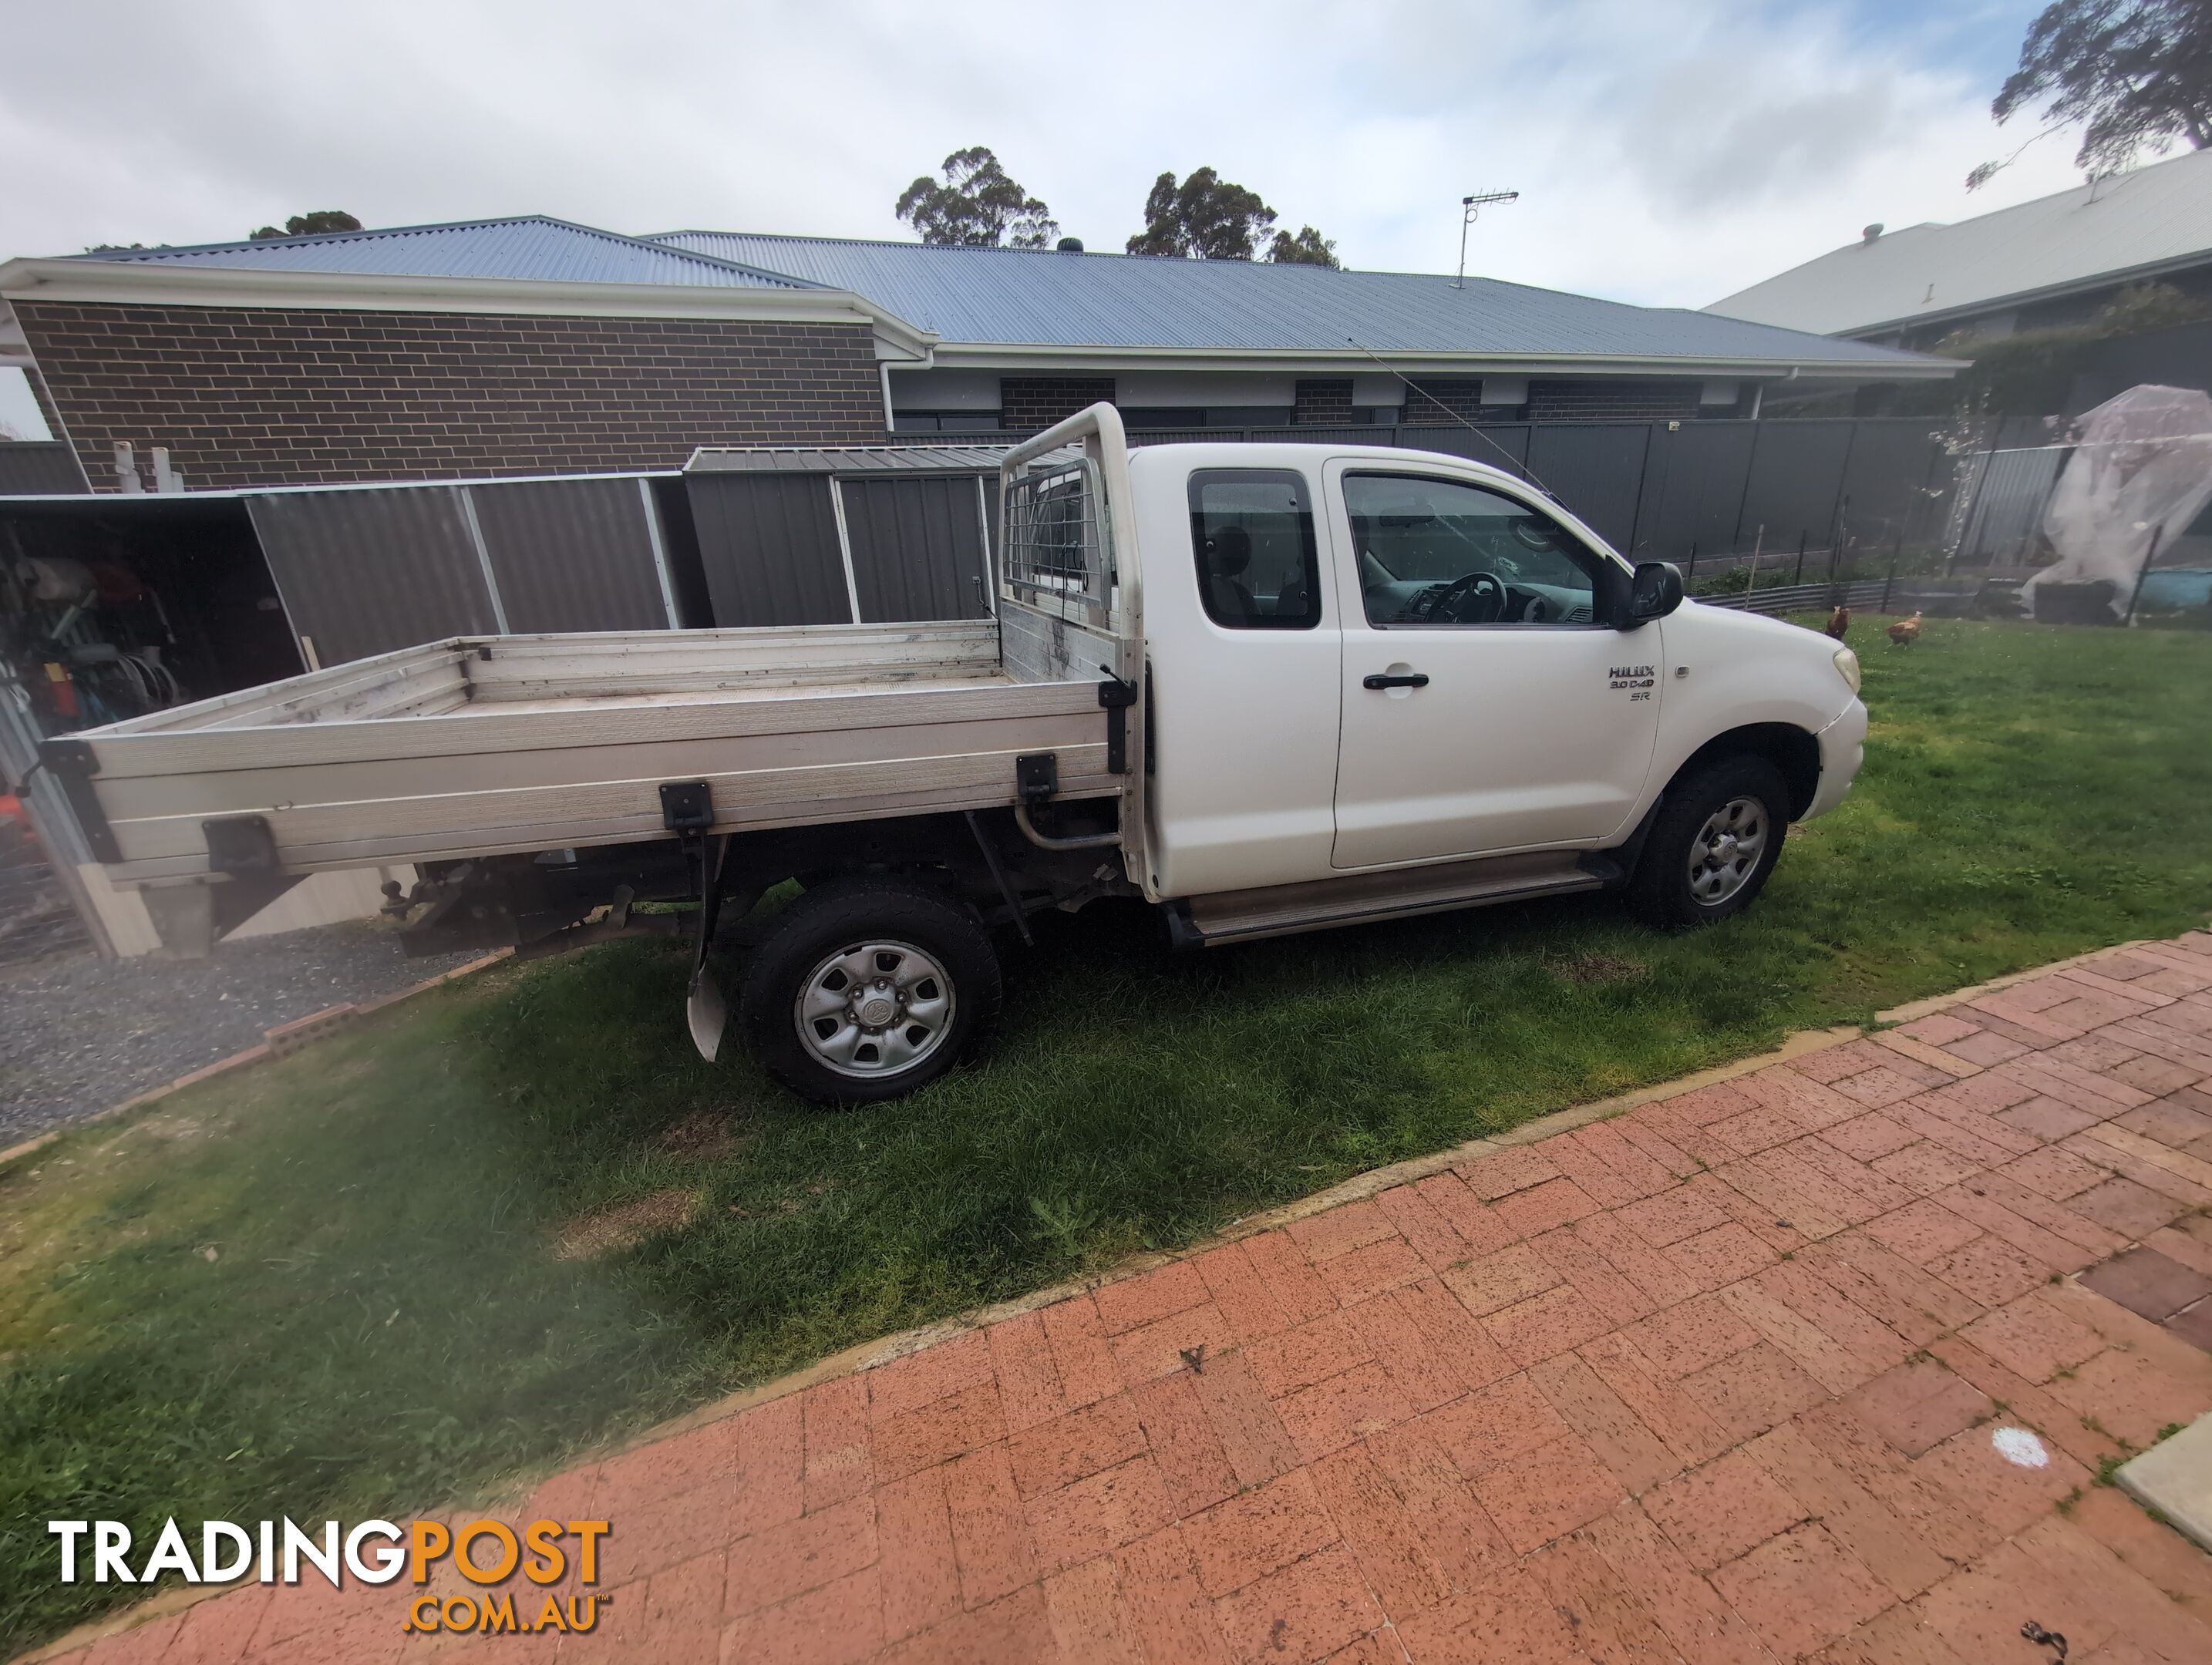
(1713, 1381)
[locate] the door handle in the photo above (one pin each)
(1418, 679)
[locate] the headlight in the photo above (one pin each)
(1847, 667)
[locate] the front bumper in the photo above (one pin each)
(1843, 749)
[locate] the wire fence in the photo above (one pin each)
(1866, 594)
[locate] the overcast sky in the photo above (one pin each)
(1666, 153)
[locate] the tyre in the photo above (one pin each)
(865, 989)
(1715, 840)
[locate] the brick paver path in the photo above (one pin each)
(1718, 1380)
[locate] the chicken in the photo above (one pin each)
(1905, 631)
(1839, 621)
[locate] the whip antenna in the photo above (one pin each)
(1518, 466)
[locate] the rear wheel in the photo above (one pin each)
(867, 989)
(1713, 843)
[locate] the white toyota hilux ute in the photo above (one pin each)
(1266, 688)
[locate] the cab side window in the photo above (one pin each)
(1443, 552)
(1251, 534)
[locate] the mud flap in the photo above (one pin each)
(706, 1010)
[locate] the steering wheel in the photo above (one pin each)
(1471, 598)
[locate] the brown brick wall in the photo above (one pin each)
(1322, 401)
(1589, 399)
(247, 397)
(1027, 402)
(1439, 399)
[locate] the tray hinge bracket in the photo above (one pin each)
(1116, 696)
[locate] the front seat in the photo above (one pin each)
(1228, 553)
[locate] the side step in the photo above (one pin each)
(1282, 910)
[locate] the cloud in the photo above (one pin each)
(1667, 152)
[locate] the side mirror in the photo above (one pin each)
(1654, 593)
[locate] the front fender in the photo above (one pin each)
(1726, 670)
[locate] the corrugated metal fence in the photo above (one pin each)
(1998, 507)
(1656, 490)
(892, 534)
(364, 570)
(38, 466)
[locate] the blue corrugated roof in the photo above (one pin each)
(1044, 298)
(529, 246)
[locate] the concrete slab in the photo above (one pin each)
(2174, 1477)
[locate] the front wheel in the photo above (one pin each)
(1713, 843)
(867, 989)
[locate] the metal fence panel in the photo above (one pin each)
(768, 544)
(1320, 434)
(1595, 469)
(1887, 482)
(917, 548)
(2007, 491)
(1695, 487)
(369, 572)
(39, 466)
(1501, 445)
(1796, 479)
(572, 555)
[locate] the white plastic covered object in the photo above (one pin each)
(2143, 466)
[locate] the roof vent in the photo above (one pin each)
(1070, 246)
(1869, 232)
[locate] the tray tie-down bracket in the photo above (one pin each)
(687, 809)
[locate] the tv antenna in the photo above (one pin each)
(1470, 210)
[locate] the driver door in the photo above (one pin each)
(1485, 708)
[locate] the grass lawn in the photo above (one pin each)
(354, 1282)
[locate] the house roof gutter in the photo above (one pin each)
(1014, 356)
(124, 282)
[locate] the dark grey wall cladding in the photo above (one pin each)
(367, 572)
(768, 545)
(571, 555)
(917, 548)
